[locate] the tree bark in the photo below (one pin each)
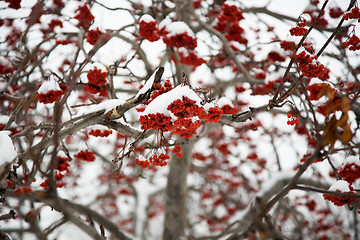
(176, 192)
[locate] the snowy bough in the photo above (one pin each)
(179, 120)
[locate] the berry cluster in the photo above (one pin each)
(228, 23)
(310, 67)
(23, 190)
(353, 42)
(51, 93)
(292, 120)
(185, 125)
(336, 12)
(300, 29)
(85, 155)
(179, 40)
(287, 45)
(100, 133)
(15, 4)
(159, 89)
(318, 90)
(353, 14)
(84, 16)
(274, 56)
(49, 97)
(349, 172)
(93, 36)
(177, 150)
(97, 82)
(191, 59)
(337, 200)
(149, 29)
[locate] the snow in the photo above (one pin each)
(160, 104)
(340, 185)
(106, 105)
(149, 83)
(352, 159)
(175, 28)
(7, 150)
(224, 101)
(4, 119)
(146, 18)
(49, 85)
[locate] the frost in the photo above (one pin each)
(176, 28)
(160, 104)
(7, 150)
(341, 185)
(146, 18)
(49, 85)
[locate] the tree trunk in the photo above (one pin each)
(176, 192)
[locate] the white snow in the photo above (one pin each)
(178, 27)
(340, 185)
(351, 160)
(106, 105)
(7, 150)
(224, 101)
(4, 119)
(146, 18)
(149, 83)
(160, 104)
(49, 85)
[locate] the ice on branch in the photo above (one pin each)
(7, 150)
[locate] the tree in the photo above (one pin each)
(179, 120)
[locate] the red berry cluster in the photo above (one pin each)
(353, 14)
(287, 45)
(227, 109)
(84, 16)
(92, 36)
(156, 121)
(335, 12)
(100, 133)
(142, 163)
(85, 155)
(353, 42)
(337, 200)
(300, 29)
(228, 23)
(292, 120)
(58, 177)
(97, 82)
(49, 97)
(15, 4)
(275, 57)
(184, 109)
(55, 23)
(177, 150)
(310, 67)
(149, 30)
(63, 164)
(52, 95)
(349, 172)
(159, 89)
(180, 40)
(260, 75)
(318, 90)
(23, 190)
(191, 59)
(230, 13)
